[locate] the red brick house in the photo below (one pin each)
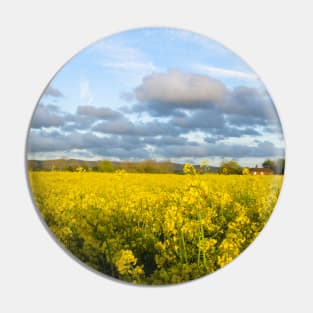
(261, 171)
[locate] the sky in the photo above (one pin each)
(156, 93)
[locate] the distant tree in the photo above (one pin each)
(269, 164)
(280, 166)
(230, 167)
(104, 166)
(70, 168)
(204, 166)
(127, 166)
(148, 166)
(85, 166)
(95, 168)
(166, 167)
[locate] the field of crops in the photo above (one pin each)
(154, 228)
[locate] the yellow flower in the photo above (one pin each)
(155, 229)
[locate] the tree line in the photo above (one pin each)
(232, 167)
(148, 166)
(152, 166)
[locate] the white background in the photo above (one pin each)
(275, 273)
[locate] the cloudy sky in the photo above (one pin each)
(156, 93)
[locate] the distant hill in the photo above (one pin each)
(72, 164)
(59, 164)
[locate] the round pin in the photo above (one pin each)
(155, 156)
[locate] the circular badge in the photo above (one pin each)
(155, 156)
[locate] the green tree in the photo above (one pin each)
(230, 167)
(95, 168)
(70, 168)
(104, 166)
(277, 167)
(280, 166)
(269, 164)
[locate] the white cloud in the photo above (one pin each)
(221, 72)
(179, 87)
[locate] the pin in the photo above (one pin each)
(155, 156)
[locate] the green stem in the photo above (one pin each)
(184, 247)
(199, 253)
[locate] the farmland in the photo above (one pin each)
(154, 229)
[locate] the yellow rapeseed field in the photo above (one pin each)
(154, 228)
